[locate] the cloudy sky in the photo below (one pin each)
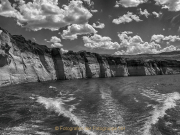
(118, 27)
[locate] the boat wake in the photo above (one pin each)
(112, 110)
(57, 105)
(165, 102)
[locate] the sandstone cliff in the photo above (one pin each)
(23, 61)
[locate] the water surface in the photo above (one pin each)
(148, 105)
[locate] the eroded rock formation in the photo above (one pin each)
(23, 61)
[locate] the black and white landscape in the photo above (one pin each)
(89, 67)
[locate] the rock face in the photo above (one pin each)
(118, 66)
(23, 61)
(91, 64)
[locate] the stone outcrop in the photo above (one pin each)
(118, 66)
(23, 61)
(91, 64)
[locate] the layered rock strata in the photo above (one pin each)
(23, 61)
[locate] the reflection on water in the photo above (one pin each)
(110, 106)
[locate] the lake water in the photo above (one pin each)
(148, 105)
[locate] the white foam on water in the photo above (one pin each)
(149, 105)
(72, 108)
(153, 95)
(42, 133)
(52, 87)
(69, 99)
(112, 112)
(32, 98)
(56, 105)
(23, 129)
(167, 101)
(36, 121)
(136, 99)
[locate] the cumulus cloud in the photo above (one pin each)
(127, 18)
(74, 30)
(1, 31)
(172, 5)
(94, 11)
(156, 14)
(55, 39)
(145, 13)
(169, 49)
(171, 38)
(34, 39)
(56, 45)
(117, 5)
(63, 50)
(146, 51)
(127, 32)
(46, 14)
(160, 38)
(157, 38)
(99, 25)
(56, 42)
(139, 48)
(129, 3)
(97, 41)
(135, 45)
(7, 10)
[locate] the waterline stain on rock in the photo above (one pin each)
(23, 61)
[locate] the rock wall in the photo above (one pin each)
(23, 61)
(118, 66)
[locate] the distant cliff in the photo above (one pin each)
(23, 61)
